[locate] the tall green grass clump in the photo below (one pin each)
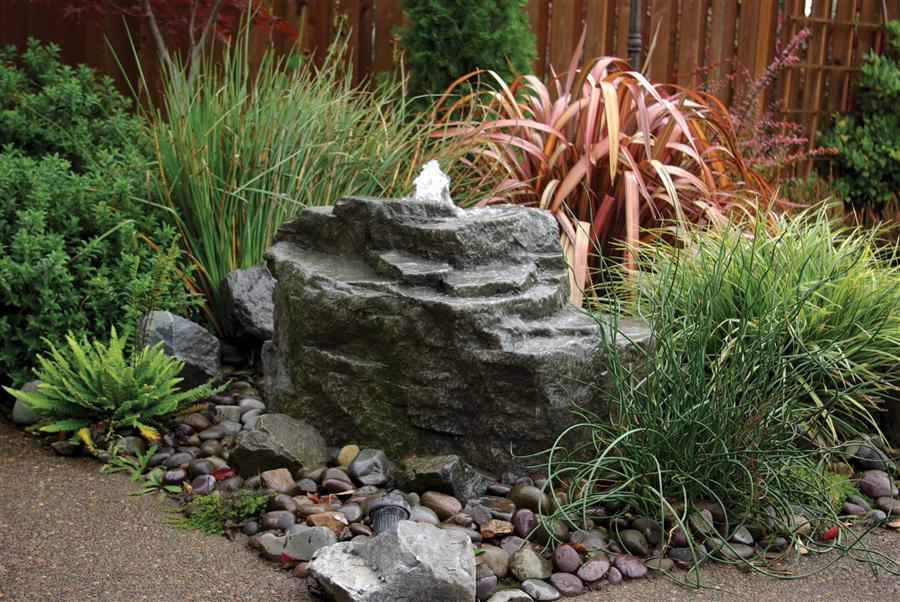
(840, 286)
(715, 409)
(247, 148)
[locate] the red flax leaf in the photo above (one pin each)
(830, 533)
(223, 473)
(286, 559)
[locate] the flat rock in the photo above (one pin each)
(279, 480)
(299, 545)
(540, 590)
(410, 561)
(418, 327)
(277, 441)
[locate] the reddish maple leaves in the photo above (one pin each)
(182, 20)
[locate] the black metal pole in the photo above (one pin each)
(634, 35)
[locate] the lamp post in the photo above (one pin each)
(634, 35)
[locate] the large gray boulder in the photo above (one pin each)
(248, 295)
(415, 326)
(411, 561)
(187, 341)
(277, 441)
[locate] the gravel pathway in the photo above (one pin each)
(68, 532)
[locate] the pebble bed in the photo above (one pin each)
(354, 496)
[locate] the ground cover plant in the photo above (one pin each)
(213, 513)
(849, 320)
(253, 147)
(707, 414)
(608, 152)
(72, 176)
(443, 40)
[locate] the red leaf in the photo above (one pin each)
(286, 558)
(830, 533)
(223, 473)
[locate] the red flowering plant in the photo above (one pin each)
(768, 143)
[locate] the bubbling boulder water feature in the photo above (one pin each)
(412, 325)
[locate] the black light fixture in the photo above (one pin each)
(634, 35)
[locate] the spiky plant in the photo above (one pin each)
(84, 384)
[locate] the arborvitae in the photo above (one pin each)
(445, 39)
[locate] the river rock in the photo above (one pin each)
(630, 566)
(442, 504)
(418, 326)
(567, 584)
(247, 294)
(528, 564)
(594, 569)
(279, 480)
(510, 595)
(370, 467)
(410, 561)
(186, 341)
(277, 441)
(876, 484)
(539, 590)
(447, 473)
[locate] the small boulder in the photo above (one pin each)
(248, 295)
(277, 441)
(448, 474)
(410, 561)
(186, 341)
(21, 412)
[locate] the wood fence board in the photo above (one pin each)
(661, 37)
(812, 93)
(721, 45)
(623, 9)
(365, 38)
(691, 41)
(388, 16)
(841, 56)
(539, 17)
(600, 17)
(565, 29)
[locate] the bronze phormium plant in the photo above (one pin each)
(605, 150)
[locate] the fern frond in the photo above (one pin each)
(59, 426)
(85, 435)
(148, 432)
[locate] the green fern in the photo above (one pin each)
(86, 383)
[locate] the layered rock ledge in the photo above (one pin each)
(416, 326)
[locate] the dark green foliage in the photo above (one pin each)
(210, 513)
(72, 171)
(445, 39)
(868, 141)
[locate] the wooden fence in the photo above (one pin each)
(681, 36)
